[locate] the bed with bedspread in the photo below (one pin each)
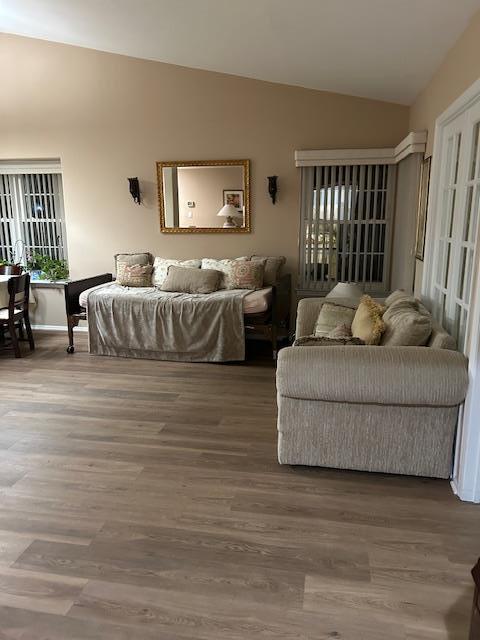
(158, 321)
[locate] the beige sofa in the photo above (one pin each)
(372, 408)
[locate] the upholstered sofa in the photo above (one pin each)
(372, 408)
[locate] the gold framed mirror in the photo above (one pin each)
(204, 196)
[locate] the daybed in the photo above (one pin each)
(147, 322)
(390, 409)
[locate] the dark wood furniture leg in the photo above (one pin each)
(12, 329)
(75, 312)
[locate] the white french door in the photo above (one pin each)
(452, 279)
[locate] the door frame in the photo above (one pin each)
(466, 474)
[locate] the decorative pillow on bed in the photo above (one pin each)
(330, 316)
(188, 280)
(160, 268)
(247, 275)
(225, 266)
(134, 275)
(367, 323)
(133, 258)
(273, 268)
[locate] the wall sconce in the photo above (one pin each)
(134, 187)
(272, 187)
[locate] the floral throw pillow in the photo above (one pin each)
(225, 266)
(247, 275)
(134, 275)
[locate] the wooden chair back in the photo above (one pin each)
(19, 293)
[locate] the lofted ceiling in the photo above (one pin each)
(383, 49)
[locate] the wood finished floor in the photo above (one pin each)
(142, 500)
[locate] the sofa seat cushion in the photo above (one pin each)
(374, 375)
(188, 280)
(160, 268)
(367, 323)
(407, 323)
(331, 315)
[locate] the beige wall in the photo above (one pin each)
(110, 117)
(460, 69)
(204, 186)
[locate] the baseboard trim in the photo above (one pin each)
(56, 327)
(465, 496)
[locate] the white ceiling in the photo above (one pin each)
(385, 49)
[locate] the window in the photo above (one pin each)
(31, 214)
(346, 216)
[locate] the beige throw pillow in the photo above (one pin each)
(331, 315)
(273, 268)
(188, 280)
(342, 331)
(225, 266)
(398, 294)
(407, 324)
(247, 275)
(160, 268)
(367, 323)
(134, 275)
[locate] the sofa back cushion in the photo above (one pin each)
(273, 268)
(226, 268)
(188, 280)
(160, 268)
(134, 275)
(407, 324)
(440, 339)
(367, 323)
(330, 317)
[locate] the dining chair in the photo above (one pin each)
(16, 314)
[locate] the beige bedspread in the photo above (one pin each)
(159, 325)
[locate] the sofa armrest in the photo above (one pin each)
(74, 288)
(417, 376)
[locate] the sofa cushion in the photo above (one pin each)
(367, 323)
(134, 275)
(407, 324)
(160, 268)
(398, 294)
(342, 331)
(273, 268)
(225, 266)
(247, 274)
(188, 280)
(330, 316)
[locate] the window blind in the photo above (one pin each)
(346, 215)
(31, 216)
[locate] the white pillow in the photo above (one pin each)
(160, 268)
(225, 266)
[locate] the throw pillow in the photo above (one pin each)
(160, 268)
(342, 331)
(273, 268)
(398, 294)
(188, 280)
(407, 324)
(134, 275)
(367, 323)
(247, 274)
(225, 266)
(324, 341)
(330, 316)
(133, 258)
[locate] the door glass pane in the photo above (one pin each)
(458, 140)
(475, 150)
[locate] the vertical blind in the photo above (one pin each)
(31, 215)
(346, 215)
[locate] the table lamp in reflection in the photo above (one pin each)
(229, 212)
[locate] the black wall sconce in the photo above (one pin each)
(272, 187)
(134, 187)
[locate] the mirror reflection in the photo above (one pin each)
(204, 196)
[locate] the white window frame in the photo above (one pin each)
(44, 175)
(466, 475)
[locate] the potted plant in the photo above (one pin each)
(12, 266)
(43, 267)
